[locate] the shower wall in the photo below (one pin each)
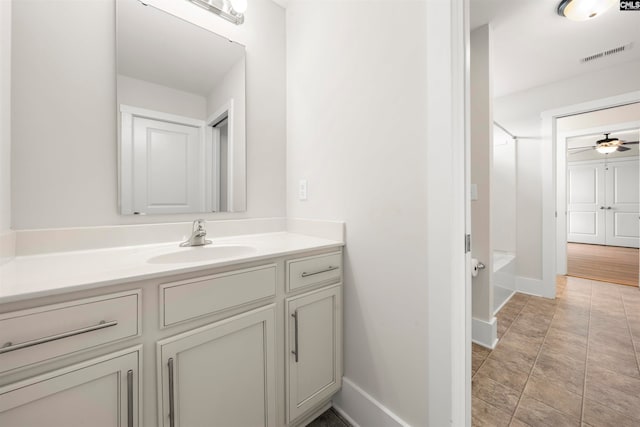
(503, 195)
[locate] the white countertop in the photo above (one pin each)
(33, 276)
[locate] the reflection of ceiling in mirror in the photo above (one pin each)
(151, 47)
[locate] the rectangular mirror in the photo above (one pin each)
(181, 115)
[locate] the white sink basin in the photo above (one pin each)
(201, 253)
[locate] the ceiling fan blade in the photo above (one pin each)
(622, 148)
(581, 150)
(630, 142)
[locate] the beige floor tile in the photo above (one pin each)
(526, 344)
(615, 391)
(537, 414)
(503, 375)
(560, 371)
(557, 397)
(563, 342)
(517, 423)
(486, 415)
(494, 393)
(596, 414)
(623, 362)
(513, 359)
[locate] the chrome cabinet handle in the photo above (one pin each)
(171, 413)
(609, 208)
(601, 207)
(130, 398)
(295, 335)
(330, 268)
(9, 346)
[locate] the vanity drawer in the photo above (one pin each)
(315, 270)
(189, 299)
(35, 335)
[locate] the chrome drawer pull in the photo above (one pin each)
(172, 415)
(130, 398)
(331, 268)
(295, 335)
(9, 346)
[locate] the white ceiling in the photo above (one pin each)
(159, 48)
(533, 46)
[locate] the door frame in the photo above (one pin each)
(448, 307)
(561, 184)
(213, 137)
(549, 169)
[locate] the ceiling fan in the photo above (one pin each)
(605, 146)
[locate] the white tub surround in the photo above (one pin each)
(504, 278)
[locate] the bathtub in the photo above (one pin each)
(504, 278)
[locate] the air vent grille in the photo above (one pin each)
(606, 53)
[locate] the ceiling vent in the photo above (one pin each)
(606, 53)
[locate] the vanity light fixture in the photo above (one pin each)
(231, 10)
(583, 10)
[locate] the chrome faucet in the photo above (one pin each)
(198, 235)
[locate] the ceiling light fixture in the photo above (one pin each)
(607, 145)
(231, 10)
(583, 10)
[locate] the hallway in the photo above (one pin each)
(567, 362)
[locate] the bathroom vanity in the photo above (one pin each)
(244, 332)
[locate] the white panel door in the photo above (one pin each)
(586, 203)
(314, 343)
(222, 374)
(169, 167)
(99, 393)
(623, 204)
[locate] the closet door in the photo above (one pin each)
(623, 204)
(586, 208)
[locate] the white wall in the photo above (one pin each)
(64, 119)
(356, 130)
(152, 96)
(5, 116)
(520, 114)
(481, 165)
(503, 192)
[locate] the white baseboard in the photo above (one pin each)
(529, 286)
(361, 409)
(484, 333)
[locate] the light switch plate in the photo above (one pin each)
(302, 190)
(474, 191)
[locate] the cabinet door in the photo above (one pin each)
(98, 393)
(586, 203)
(222, 374)
(623, 204)
(314, 343)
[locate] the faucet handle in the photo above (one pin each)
(199, 224)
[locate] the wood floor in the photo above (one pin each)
(572, 361)
(604, 263)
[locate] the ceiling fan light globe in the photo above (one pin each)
(607, 149)
(583, 10)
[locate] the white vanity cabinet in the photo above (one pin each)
(255, 343)
(222, 374)
(102, 392)
(314, 344)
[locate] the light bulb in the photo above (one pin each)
(239, 6)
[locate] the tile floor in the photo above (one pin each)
(329, 418)
(572, 361)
